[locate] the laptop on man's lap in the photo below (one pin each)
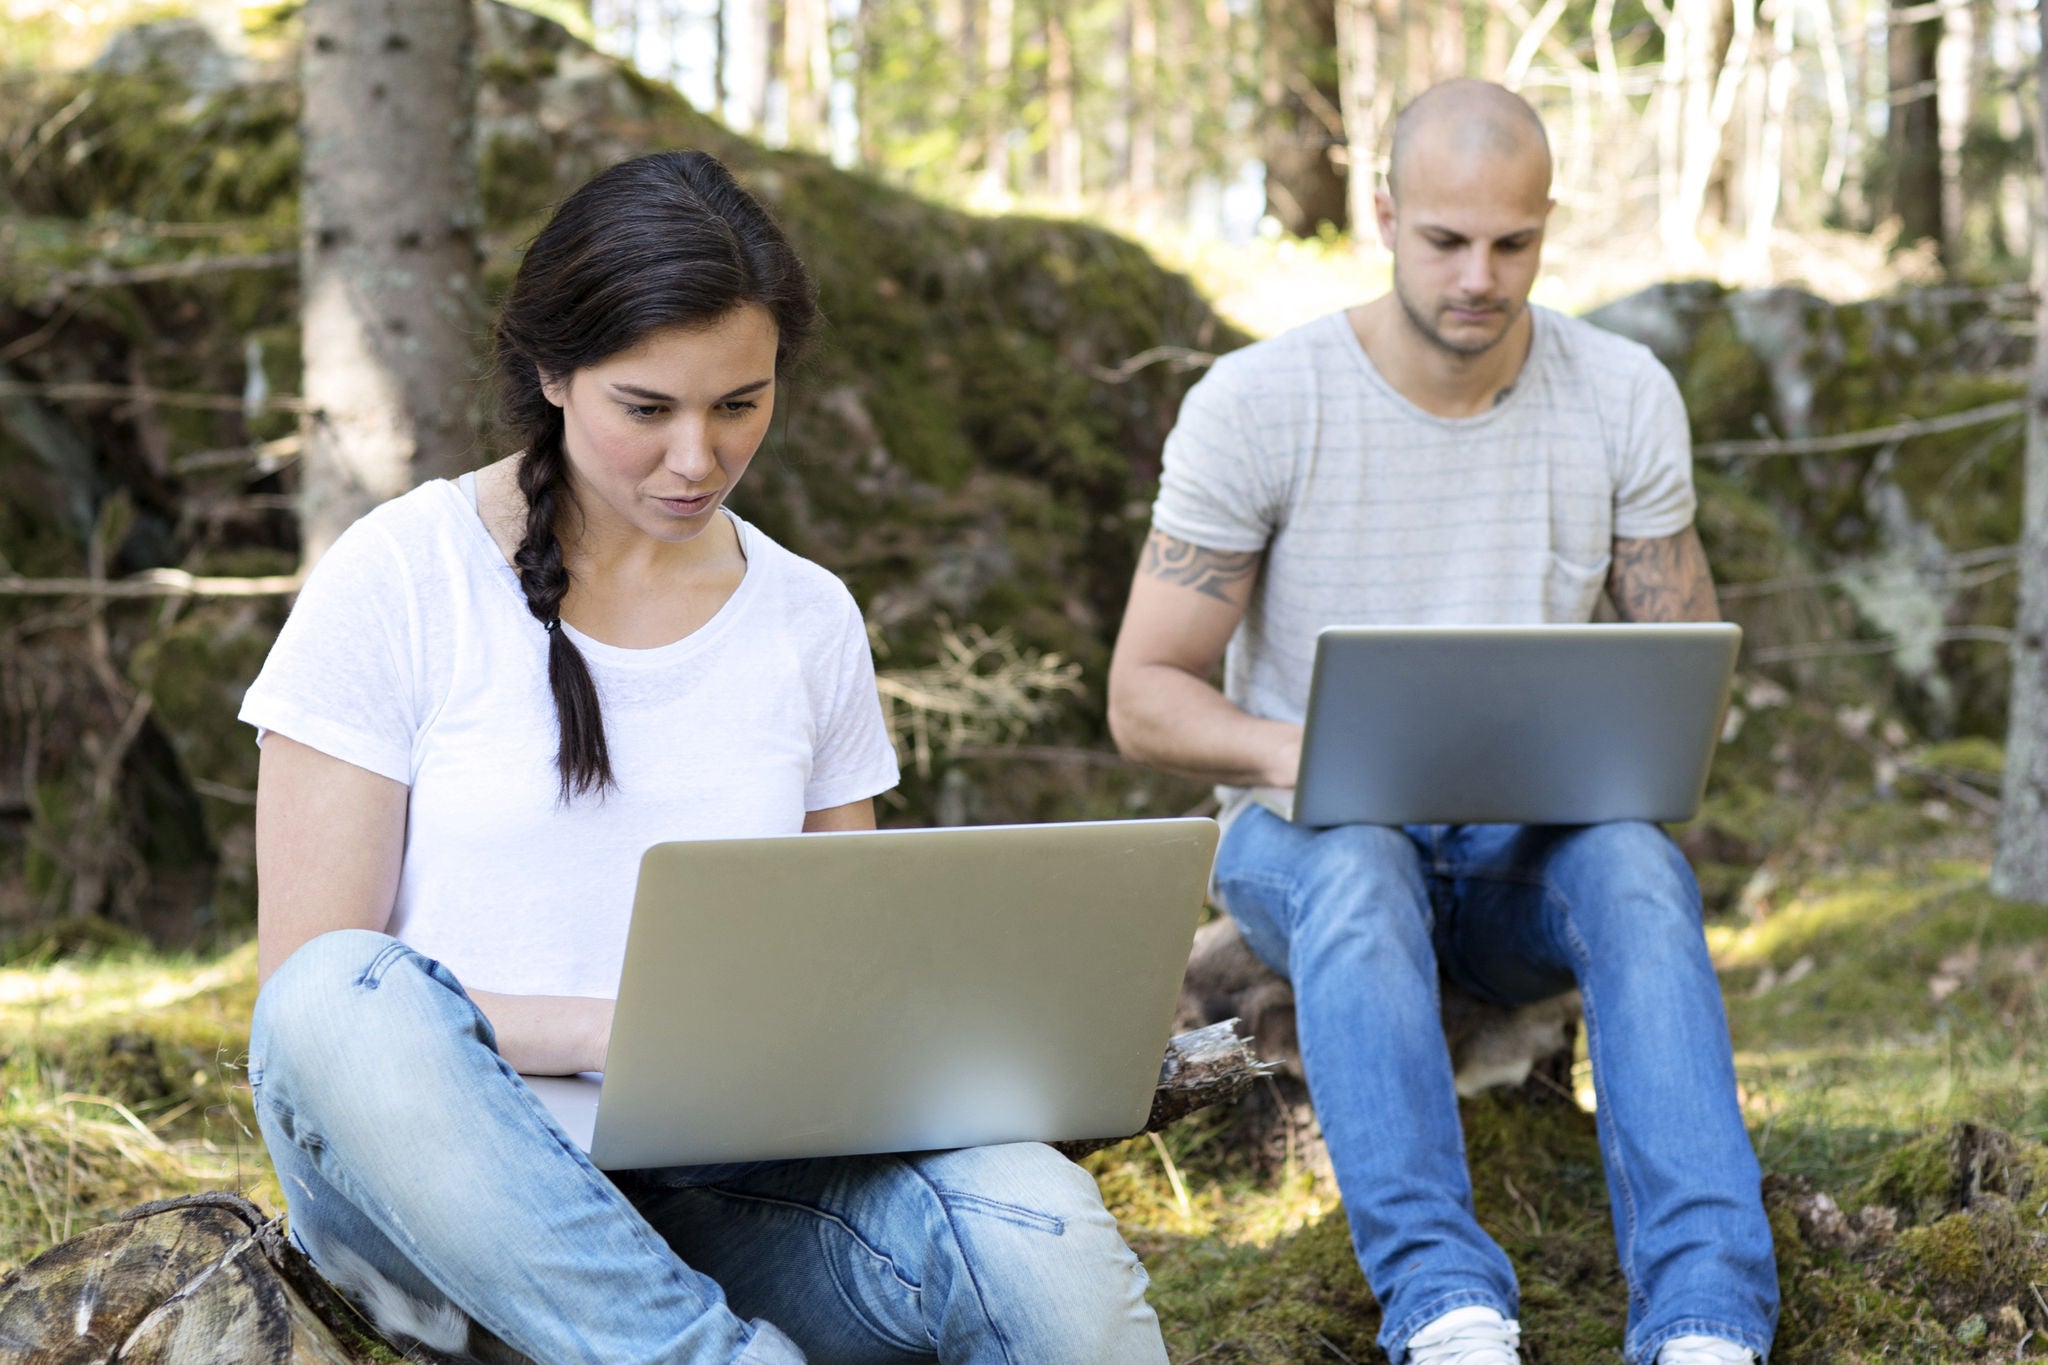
(1548, 724)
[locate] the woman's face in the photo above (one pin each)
(658, 434)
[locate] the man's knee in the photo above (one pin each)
(1363, 878)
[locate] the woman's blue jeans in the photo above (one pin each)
(1362, 918)
(399, 1134)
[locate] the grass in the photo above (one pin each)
(1874, 1005)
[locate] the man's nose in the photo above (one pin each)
(1475, 276)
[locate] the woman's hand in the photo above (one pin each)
(549, 1035)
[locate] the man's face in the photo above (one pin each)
(1467, 238)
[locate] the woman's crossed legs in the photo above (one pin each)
(406, 1146)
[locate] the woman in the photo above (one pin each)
(490, 698)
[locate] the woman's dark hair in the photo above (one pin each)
(668, 240)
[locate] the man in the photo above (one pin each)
(1444, 454)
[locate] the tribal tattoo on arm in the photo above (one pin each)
(1665, 578)
(1222, 574)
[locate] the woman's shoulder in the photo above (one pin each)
(418, 534)
(801, 584)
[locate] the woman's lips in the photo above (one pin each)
(688, 507)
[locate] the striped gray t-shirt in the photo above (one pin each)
(1371, 511)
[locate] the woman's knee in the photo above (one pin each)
(1035, 1241)
(347, 1004)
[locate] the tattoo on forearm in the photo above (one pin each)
(1663, 579)
(1213, 573)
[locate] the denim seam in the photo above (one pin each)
(1617, 1169)
(372, 976)
(847, 1298)
(749, 1197)
(1010, 1213)
(1697, 1326)
(341, 1181)
(995, 1328)
(316, 1148)
(1429, 1312)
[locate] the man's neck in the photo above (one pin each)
(1439, 381)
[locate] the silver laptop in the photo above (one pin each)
(1512, 724)
(892, 991)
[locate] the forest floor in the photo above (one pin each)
(1877, 993)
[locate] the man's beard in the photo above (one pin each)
(1422, 324)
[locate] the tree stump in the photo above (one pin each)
(1490, 1045)
(207, 1278)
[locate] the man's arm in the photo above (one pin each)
(1662, 579)
(1185, 603)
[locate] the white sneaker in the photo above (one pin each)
(1704, 1351)
(1476, 1335)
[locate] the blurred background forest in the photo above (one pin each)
(1033, 223)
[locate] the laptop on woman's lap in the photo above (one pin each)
(892, 990)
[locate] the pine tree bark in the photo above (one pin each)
(388, 253)
(1358, 67)
(2020, 871)
(1915, 132)
(1300, 93)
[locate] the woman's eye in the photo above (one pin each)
(739, 405)
(640, 412)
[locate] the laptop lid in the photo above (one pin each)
(1562, 724)
(894, 990)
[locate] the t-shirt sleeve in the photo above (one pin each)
(1212, 482)
(340, 677)
(1654, 495)
(854, 757)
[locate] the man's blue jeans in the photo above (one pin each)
(400, 1135)
(1361, 918)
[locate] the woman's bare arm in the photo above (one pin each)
(329, 841)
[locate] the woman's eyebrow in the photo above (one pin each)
(635, 391)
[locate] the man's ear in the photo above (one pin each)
(1384, 212)
(554, 387)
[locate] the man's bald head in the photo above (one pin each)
(1463, 121)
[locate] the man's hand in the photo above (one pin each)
(1663, 579)
(1186, 600)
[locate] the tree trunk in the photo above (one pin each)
(1358, 68)
(1144, 112)
(998, 54)
(2021, 869)
(1915, 133)
(1301, 91)
(388, 253)
(1062, 133)
(806, 36)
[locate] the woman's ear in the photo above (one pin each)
(554, 387)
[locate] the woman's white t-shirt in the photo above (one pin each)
(411, 653)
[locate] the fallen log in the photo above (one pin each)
(210, 1279)
(1531, 1048)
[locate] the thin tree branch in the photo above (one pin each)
(152, 583)
(117, 393)
(1873, 436)
(1179, 357)
(101, 276)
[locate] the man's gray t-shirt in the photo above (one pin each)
(1371, 511)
